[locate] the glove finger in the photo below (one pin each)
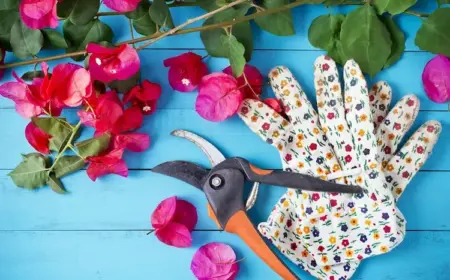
(397, 123)
(405, 164)
(290, 93)
(332, 112)
(380, 97)
(263, 121)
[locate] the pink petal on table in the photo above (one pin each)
(186, 71)
(274, 104)
(38, 14)
(111, 163)
(255, 80)
(122, 5)
(164, 212)
(174, 234)
(109, 64)
(436, 79)
(131, 119)
(78, 89)
(37, 138)
(135, 142)
(17, 92)
(87, 118)
(186, 214)
(214, 261)
(218, 98)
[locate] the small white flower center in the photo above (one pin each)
(147, 108)
(185, 82)
(113, 71)
(98, 61)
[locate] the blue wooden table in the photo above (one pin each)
(99, 230)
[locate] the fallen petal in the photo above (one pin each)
(214, 261)
(164, 212)
(174, 234)
(135, 142)
(186, 214)
(37, 138)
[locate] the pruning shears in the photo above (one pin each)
(223, 186)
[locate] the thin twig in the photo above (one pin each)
(190, 21)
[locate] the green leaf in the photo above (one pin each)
(365, 39)
(398, 41)
(30, 75)
(393, 7)
(57, 128)
(124, 86)
(56, 184)
(141, 10)
(80, 35)
(93, 146)
(53, 39)
(144, 25)
(9, 14)
(324, 33)
(79, 12)
(242, 31)
(67, 165)
(24, 41)
(333, 2)
(443, 2)
(434, 35)
(280, 23)
(160, 14)
(31, 173)
(235, 53)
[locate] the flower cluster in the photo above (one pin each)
(114, 119)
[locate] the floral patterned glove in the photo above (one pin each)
(328, 234)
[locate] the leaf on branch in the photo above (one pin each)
(434, 35)
(324, 33)
(54, 40)
(30, 75)
(141, 20)
(398, 41)
(280, 23)
(160, 14)
(9, 13)
(57, 128)
(80, 35)
(93, 146)
(365, 39)
(235, 53)
(31, 173)
(79, 12)
(67, 165)
(24, 41)
(393, 7)
(56, 184)
(124, 86)
(443, 2)
(332, 2)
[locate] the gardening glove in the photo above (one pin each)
(306, 214)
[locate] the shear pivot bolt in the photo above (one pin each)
(216, 181)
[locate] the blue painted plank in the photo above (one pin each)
(231, 136)
(134, 255)
(114, 202)
(404, 77)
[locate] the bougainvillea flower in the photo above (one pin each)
(130, 120)
(144, 96)
(173, 221)
(274, 104)
(109, 64)
(78, 89)
(219, 97)
(215, 261)
(250, 82)
(135, 142)
(38, 14)
(436, 79)
(122, 6)
(37, 138)
(186, 71)
(109, 163)
(17, 92)
(2, 61)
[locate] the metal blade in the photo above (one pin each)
(185, 171)
(214, 155)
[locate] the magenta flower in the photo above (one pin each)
(38, 14)
(122, 6)
(185, 71)
(109, 64)
(144, 96)
(250, 83)
(436, 79)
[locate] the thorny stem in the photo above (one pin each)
(67, 146)
(191, 30)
